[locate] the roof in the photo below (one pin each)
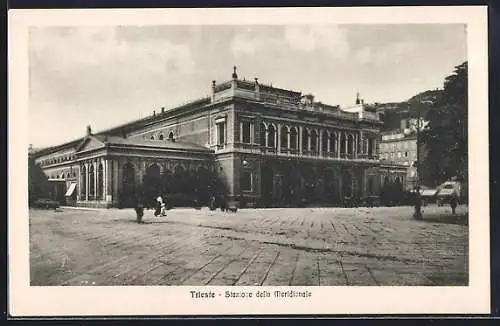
(165, 144)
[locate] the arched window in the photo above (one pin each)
(370, 147)
(179, 177)
(68, 176)
(100, 181)
(305, 140)
(293, 138)
(324, 140)
(284, 137)
(350, 144)
(343, 149)
(160, 137)
(91, 181)
(171, 136)
(271, 134)
(152, 138)
(263, 134)
(83, 182)
(369, 185)
(333, 143)
(314, 141)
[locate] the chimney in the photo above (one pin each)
(234, 80)
(30, 147)
(213, 91)
(403, 124)
(362, 101)
(162, 110)
(89, 130)
(257, 89)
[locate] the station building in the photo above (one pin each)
(265, 145)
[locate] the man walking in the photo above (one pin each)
(139, 207)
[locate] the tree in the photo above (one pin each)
(446, 136)
(38, 183)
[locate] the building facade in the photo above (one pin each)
(262, 143)
(398, 147)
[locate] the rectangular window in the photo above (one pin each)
(246, 181)
(221, 133)
(246, 132)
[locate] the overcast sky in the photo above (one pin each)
(111, 75)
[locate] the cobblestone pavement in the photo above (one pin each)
(289, 246)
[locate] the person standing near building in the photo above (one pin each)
(160, 207)
(139, 207)
(453, 203)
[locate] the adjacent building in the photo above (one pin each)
(263, 143)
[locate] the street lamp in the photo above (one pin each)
(418, 201)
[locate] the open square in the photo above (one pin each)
(276, 247)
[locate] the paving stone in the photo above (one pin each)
(308, 246)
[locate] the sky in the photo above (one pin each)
(106, 76)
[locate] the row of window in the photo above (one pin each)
(397, 146)
(289, 138)
(57, 160)
(63, 175)
(91, 184)
(161, 137)
(393, 155)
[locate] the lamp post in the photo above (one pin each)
(418, 201)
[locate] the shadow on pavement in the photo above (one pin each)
(447, 219)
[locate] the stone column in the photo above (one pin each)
(346, 143)
(267, 137)
(337, 142)
(277, 139)
(309, 143)
(95, 179)
(87, 181)
(109, 180)
(79, 194)
(356, 145)
(321, 143)
(104, 178)
(300, 139)
(288, 137)
(115, 170)
(329, 143)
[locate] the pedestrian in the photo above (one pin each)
(163, 207)
(139, 208)
(453, 203)
(160, 207)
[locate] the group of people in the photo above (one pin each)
(160, 208)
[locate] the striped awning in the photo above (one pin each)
(71, 189)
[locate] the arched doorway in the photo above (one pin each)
(100, 182)
(284, 137)
(271, 134)
(262, 134)
(152, 183)
(305, 140)
(293, 138)
(324, 143)
(347, 184)
(179, 177)
(91, 182)
(83, 183)
(343, 148)
(267, 182)
(128, 185)
(314, 142)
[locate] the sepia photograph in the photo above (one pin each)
(269, 159)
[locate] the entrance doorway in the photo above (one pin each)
(267, 182)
